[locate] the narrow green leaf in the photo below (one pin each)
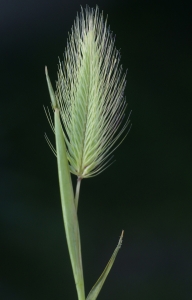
(98, 285)
(51, 92)
(69, 209)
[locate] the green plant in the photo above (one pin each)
(88, 107)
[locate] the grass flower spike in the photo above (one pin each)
(89, 108)
(89, 93)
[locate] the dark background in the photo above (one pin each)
(147, 192)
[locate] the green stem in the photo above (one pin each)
(77, 191)
(69, 209)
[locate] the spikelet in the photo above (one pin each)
(90, 94)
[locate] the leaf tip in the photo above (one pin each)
(51, 92)
(121, 239)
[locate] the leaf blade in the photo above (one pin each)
(98, 285)
(69, 209)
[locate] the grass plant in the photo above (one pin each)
(89, 107)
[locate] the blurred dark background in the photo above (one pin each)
(147, 192)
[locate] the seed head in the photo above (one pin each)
(90, 94)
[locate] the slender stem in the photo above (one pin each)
(68, 208)
(77, 191)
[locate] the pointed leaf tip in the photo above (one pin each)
(51, 91)
(121, 238)
(93, 294)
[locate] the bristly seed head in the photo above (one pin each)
(90, 94)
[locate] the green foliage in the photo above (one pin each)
(89, 103)
(69, 209)
(98, 285)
